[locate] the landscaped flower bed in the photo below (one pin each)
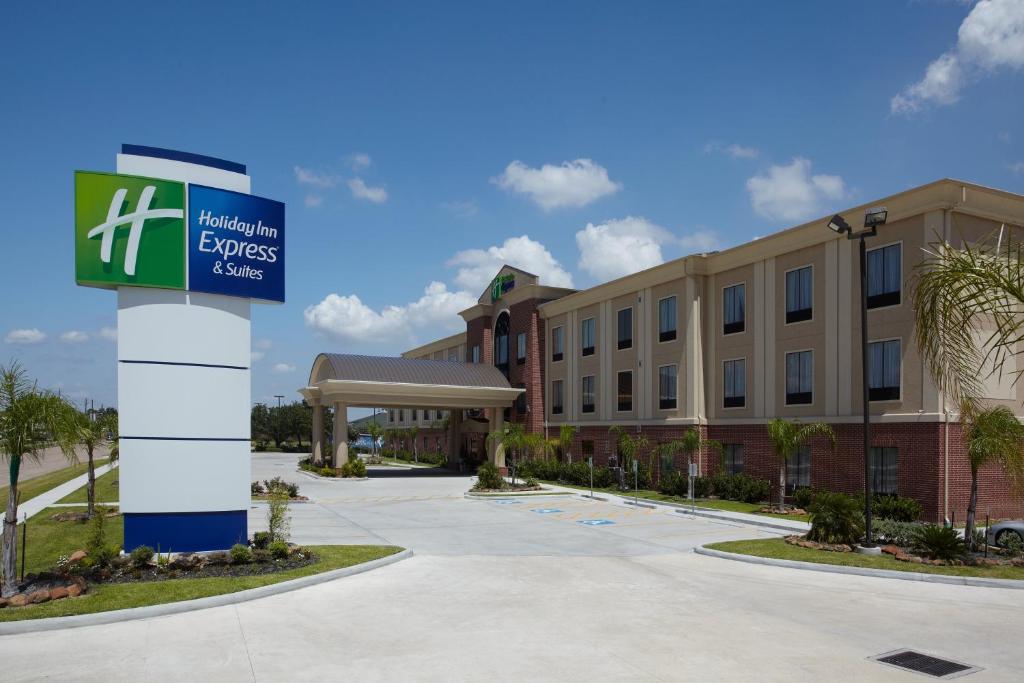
(996, 558)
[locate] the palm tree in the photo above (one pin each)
(376, 431)
(786, 438)
(566, 434)
(30, 421)
(992, 435)
(691, 442)
(629, 447)
(516, 440)
(94, 434)
(413, 432)
(967, 302)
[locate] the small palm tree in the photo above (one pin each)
(516, 441)
(690, 443)
(992, 435)
(786, 437)
(30, 421)
(94, 434)
(566, 434)
(413, 433)
(375, 430)
(628, 446)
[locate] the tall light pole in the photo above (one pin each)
(278, 397)
(872, 219)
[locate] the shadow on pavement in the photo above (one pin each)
(384, 472)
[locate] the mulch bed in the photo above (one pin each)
(908, 555)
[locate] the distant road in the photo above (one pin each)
(52, 459)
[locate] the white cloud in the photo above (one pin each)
(791, 193)
(313, 200)
(620, 247)
(348, 318)
(477, 267)
(358, 160)
(734, 150)
(1017, 167)
(282, 368)
(25, 336)
(262, 344)
(990, 38)
(307, 176)
(573, 183)
(74, 337)
(108, 333)
(462, 209)
(256, 355)
(360, 190)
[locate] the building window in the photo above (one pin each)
(798, 469)
(557, 341)
(520, 348)
(587, 448)
(884, 370)
(501, 343)
(453, 355)
(521, 400)
(884, 470)
(588, 394)
(884, 270)
(391, 416)
(625, 328)
(557, 397)
(415, 414)
(799, 295)
(426, 415)
(799, 378)
(735, 390)
(476, 353)
(667, 319)
(625, 391)
(587, 336)
(667, 387)
(732, 458)
(401, 416)
(734, 307)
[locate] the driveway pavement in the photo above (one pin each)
(526, 591)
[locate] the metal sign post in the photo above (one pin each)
(693, 476)
(636, 484)
(590, 461)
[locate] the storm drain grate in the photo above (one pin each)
(926, 664)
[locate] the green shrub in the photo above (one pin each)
(835, 518)
(433, 458)
(278, 484)
(255, 489)
(141, 556)
(261, 539)
(100, 554)
(939, 542)
(278, 519)
(327, 471)
(701, 487)
(488, 477)
(673, 484)
(240, 554)
(1011, 543)
(895, 507)
(740, 487)
(354, 467)
(803, 497)
(278, 549)
(894, 532)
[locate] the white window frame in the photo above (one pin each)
(886, 339)
(730, 360)
(669, 365)
(594, 346)
(583, 393)
(785, 379)
(669, 341)
(903, 292)
(553, 336)
(785, 294)
(632, 328)
(721, 328)
(632, 391)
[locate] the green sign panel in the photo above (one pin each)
(129, 231)
(502, 284)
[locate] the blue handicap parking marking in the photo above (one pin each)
(545, 511)
(596, 522)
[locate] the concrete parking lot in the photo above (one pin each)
(525, 590)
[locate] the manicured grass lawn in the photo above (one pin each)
(106, 490)
(30, 488)
(121, 596)
(707, 503)
(48, 539)
(778, 549)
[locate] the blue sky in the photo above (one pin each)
(418, 145)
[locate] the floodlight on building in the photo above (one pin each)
(838, 225)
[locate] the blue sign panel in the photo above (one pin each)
(596, 522)
(545, 511)
(236, 244)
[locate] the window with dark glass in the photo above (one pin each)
(799, 378)
(587, 337)
(884, 274)
(667, 319)
(667, 387)
(799, 295)
(557, 341)
(521, 400)
(587, 448)
(415, 415)
(732, 458)
(557, 397)
(588, 394)
(733, 309)
(885, 473)
(501, 343)
(625, 396)
(521, 348)
(798, 469)
(401, 416)
(625, 328)
(884, 370)
(476, 353)
(735, 390)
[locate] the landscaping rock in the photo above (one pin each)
(74, 590)
(36, 597)
(916, 560)
(183, 561)
(58, 592)
(3, 603)
(19, 600)
(77, 556)
(892, 550)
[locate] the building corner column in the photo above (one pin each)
(340, 455)
(495, 447)
(316, 448)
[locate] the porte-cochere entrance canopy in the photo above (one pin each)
(342, 380)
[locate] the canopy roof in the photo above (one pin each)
(389, 382)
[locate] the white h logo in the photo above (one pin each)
(137, 219)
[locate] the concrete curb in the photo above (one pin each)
(335, 479)
(864, 571)
(699, 512)
(131, 614)
(510, 494)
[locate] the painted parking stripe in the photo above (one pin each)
(545, 511)
(595, 522)
(507, 502)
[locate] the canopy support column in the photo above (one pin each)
(317, 442)
(340, 435)
(495, 448)
(454, 438)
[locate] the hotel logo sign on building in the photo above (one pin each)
(131, 231)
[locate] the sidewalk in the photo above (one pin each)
(790, 526)
(35, 505)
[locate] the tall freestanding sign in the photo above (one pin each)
(188, 249)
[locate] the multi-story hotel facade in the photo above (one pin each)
(726, 341)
